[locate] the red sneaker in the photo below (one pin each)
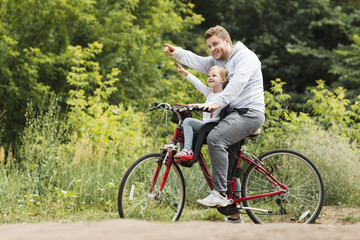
(184, 155)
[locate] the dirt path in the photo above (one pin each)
(127, 229)
(331, 226)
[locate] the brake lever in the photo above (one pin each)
(197, 113)
(200, 109)
(161, 105)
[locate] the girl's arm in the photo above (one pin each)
(195, 81)
(182, 70)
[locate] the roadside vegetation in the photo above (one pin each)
(60, 173)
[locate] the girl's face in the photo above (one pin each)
(214, 80)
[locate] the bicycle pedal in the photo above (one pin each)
(188, 164)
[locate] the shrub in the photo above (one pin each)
(328, 138)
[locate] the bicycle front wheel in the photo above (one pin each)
(138, 196)
(303, 202)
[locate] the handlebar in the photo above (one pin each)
(179, 108)
(161, 105)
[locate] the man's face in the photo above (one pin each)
(219, 49)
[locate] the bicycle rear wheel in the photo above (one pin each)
(303, 202)
(136, 200)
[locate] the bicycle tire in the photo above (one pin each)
(133, 199)
(303, 202)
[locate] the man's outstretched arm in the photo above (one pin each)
(190, 59)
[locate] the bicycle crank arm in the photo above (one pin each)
(257, 209)
(227, 203)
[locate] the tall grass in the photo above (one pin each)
(57, 173)
(338, 163)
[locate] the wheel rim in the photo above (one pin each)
(136, 202)
(303, 202)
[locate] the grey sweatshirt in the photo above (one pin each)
(245, 88)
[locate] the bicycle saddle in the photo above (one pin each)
(255, 134)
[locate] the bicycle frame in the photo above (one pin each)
(178, 137)
(171, 149)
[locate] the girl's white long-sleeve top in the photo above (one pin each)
(210, 97)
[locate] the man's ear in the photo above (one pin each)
(227, 40)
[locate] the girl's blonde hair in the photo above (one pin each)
(223, 74)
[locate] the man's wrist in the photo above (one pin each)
(177, 52)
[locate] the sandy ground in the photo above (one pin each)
(329, 227)
(127, 229)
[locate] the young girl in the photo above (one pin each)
(217, 80)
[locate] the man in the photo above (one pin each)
(244, 92)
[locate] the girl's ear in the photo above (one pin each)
(224, 82)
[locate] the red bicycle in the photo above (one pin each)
(278, 186)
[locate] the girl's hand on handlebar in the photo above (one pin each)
(198, 105)
(192, 106)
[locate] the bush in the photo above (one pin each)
(329, 139)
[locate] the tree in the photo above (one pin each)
(343, 59)
(271, 27)
(35, 36)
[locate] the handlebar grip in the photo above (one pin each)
(178, 109)
(200, 109)
(156, 104)
(193, 109)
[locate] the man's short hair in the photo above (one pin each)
(217, 31)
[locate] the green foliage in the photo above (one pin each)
(38, 42)
(342, 55)
(329, 139)
(332, 111)
(91, 118)
(346, 65)
(275, 102)
(291, 39)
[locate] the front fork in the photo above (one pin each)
(167, 151)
